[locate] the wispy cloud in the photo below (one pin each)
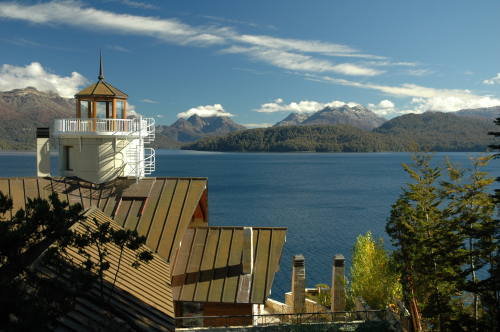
(300, 62)
(423, 98)
(118, 48)
(73, 13)
(138, 4)
(14, 77)
(240, 22)
(286, 53)
(303, 106)
(419, 72)
(258, 125)
(205, 111)
(149, 101)
(493, 80)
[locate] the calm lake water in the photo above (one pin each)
(325, 200)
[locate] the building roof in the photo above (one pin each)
(208, 267)
(143, 295)
(101, 89)
(158, 208)
(172, 214)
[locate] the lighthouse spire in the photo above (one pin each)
(101, 73)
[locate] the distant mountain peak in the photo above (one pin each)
(355, 115)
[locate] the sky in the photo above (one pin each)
(257, 61)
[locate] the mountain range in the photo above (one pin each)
(357, 116)
(430, 131)
(22, 110)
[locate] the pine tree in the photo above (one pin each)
(471, 207)
(427, 248)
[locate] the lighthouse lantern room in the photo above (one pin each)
(102, 142)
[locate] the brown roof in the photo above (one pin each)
(208, 267)
(144, 295)
(103, 89)
(158, 208)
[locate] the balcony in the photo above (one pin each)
(138, 127)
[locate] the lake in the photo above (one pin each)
(325, 199)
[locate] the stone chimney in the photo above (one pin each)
(338, 284)
(298, 284)
(247, 258)
(42, 152)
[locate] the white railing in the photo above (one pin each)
(149, 161)
(111, 126)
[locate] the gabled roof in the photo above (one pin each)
(101, 89)
(144, 295)
(208, 267)
(158, 208)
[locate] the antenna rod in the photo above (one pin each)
(101, 74)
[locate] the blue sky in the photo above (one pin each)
(259, 60)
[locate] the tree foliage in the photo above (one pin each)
(431, 131)
(373, 277)
(443, 232)
(34, 245)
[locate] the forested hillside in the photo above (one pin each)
(432, 131)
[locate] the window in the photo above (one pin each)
(67, 160)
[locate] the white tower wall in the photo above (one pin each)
(100, 159)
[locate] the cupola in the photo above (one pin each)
(101, 100)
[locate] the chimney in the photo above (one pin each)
(247, 260)
(298, 283)
(42, 152)
(338, 284)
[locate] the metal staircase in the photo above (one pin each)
(141, 159)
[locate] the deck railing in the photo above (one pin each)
(103, 125)
(283, 319)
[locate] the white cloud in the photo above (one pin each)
(258, 125)
(137, 4)
(159, 116)
(290, 54)
(205, 111)
(73, 13)
(419, 72)
(300, 62)
(149, 101)
(384, 108)
(305, 46)
(14, 77)
(424, 98)
(303, 106)
(118, 48)
(493, 80)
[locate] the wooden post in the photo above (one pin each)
(113, 108)
(94, 114)
(78, 109)
(124, 110)
(113, 113)
(107, 109)
(89, 109)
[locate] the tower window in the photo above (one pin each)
(67, 160)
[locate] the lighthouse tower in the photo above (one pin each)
(102, 142)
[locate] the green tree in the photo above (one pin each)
(34, 246)
(373, 277)
(471, 207)
(427, 248)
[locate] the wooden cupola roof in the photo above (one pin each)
(101, 88)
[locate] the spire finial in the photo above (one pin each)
(101, 74)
